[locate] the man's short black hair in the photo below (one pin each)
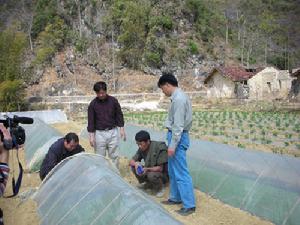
(101, 85)
(167, 77)
(71, 137)
(142, 135)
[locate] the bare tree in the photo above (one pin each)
(29, 31)
(227, 27)
(28, 18)
(78, 3)
(239, 25)
(113, 60)
(249, 50)
(243, 42)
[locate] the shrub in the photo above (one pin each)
(153, 59)
(241, 145)
(12, 45)
(11, 95)
(45, 13)
(44, 55)
(50, 40)
(192, 47)
(289, 136)
(161, 21)
(81, 44)
(133, 30)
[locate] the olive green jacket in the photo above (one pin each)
(157, 155)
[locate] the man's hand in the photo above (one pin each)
(7, 140)
(132, 163)
(135, 164)
(122, 133)
(146, 170)
(171, 152)
(4, 154)
(5, 132)
(92, 139)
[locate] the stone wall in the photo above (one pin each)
(270, 83)
(220, 87)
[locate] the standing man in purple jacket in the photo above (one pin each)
(104, 118)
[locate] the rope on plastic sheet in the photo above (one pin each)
(125, 217)
(255, 183)
(115, 198)
(291, 211)
(63, 194)
(77, 203)
(140, 207)
(212, 193)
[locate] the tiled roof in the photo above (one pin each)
(295, 72)
(234, 73)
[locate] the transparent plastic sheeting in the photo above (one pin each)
(39, 137)
(48, 116)
(86, 189)
(264, 184)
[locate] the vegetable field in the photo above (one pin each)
(277, 132)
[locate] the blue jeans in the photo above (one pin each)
(181, 185)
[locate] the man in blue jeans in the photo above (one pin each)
(178, 123)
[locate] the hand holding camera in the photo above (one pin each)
(5, 138)
(12, 135)
(16, 134)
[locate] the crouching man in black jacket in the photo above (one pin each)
(59, 150)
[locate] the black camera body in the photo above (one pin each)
(17, 132)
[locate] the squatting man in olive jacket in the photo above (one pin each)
(154, 173)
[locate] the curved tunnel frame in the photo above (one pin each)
(94, 193)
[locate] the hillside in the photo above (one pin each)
(66, 45)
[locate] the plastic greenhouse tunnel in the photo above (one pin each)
(264, 184)
(87, 189)
(47, 116)
(39, 137)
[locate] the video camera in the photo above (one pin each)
(17, 132)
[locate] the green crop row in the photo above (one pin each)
(272, 131)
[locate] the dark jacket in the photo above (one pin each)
(104, 114)
(56, 153)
